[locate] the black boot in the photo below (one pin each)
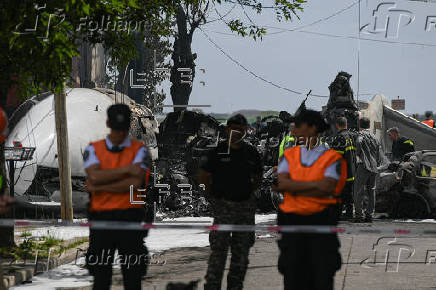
(368, 219)
(358, 219)
(348, 214)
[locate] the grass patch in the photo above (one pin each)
(32, 247)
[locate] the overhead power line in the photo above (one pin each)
(246, 14)
(299, 30)
(319, 20)
(368, 39)
(221, 17)
(251, 72)
(284, 30)
(337, 36)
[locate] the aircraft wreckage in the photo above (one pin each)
(184, 137)
(406, 189)
(33, 124)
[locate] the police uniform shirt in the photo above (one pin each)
(308, 158)
(232, 170)
(90, 158)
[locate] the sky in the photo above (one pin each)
(395, 61)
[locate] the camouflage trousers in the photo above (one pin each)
(226, 212)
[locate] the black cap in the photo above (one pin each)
(237, 119)
(312, 118)
(118, 116)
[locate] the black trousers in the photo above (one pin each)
(347, 199)
(364, 192)
(308, 261)
(132, 253)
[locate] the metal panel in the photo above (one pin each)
(423, 136)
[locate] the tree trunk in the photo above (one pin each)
(183, 59)
(85, 66)
(63, 156)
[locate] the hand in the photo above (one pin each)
(89, 187)
(135, 170)
(5, 202)
(274, 187)
(326, 185)
(275, 169)
(281, 178)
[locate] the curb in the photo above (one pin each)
(14, 275)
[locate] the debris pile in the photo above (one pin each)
(184, 138)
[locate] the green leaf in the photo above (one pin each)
(133, 4)
(86, 8)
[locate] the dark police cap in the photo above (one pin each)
(119, 117)
(237, 119)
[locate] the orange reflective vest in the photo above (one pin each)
(102, 201)
(429, 123)
(304, 205)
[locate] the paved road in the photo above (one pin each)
(363, 256)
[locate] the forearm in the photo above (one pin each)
(313, 193)
(289, 185)
(119, 186)
(107, 176)
(317, 188)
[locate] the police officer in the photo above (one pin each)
(370, 160)
(231, 173)
(400, 144)
(343, 144)
(312, 177)
(113, 165)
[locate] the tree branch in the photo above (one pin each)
(201, 14)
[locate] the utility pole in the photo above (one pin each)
(358, 56)
(63, 155)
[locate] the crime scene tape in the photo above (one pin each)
(315, 229)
